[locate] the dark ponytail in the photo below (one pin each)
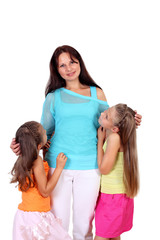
(28, 136)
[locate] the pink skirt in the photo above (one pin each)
(37, 225)
(114, 215)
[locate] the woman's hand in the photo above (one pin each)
(138, 119)
(61, 160)
(47, 146)
(15, 147)
(101, 134)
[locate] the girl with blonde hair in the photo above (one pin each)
(118, 164)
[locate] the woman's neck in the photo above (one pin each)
(74, 85)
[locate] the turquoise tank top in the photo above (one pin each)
(74, 119)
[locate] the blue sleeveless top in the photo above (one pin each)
(74, 118)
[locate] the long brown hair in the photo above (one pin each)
(125, 121)
(56, 81)
(28, 136)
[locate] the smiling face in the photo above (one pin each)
(68, 68)
(106, 120)
(44, 135)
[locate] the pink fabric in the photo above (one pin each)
(38, 226)
(114, 215)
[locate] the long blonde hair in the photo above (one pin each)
(125, 121)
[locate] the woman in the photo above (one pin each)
(71, 109)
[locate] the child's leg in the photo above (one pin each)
(117, 238)
(100, 238)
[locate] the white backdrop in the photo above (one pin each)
(120, 44)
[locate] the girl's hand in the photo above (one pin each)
(15, 147)
(138, 119)
(101, 134)
(61, 160)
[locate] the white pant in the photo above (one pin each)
(84, 185)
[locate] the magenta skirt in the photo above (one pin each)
(114, 215)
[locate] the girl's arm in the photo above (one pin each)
(101, 138)
(45, 186)
(106, 160)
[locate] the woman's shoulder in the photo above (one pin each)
(100, 94)
(51, 93)
(50, 96)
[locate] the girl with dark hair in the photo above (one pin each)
(118, 164)
(33, 219)
(71, 110)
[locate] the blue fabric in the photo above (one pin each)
(74, 118)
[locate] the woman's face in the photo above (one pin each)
(68, 69)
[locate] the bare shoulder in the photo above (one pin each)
(38, 162)
(100, 94)
(114, 138)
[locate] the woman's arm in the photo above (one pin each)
(15, 147)
(47, 146)
(45, 186)
(138, 119)
(47, 118)
(107, 160)
(47, 121)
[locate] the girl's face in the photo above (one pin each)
(67, 68)
(106, 118)
(44, 136)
